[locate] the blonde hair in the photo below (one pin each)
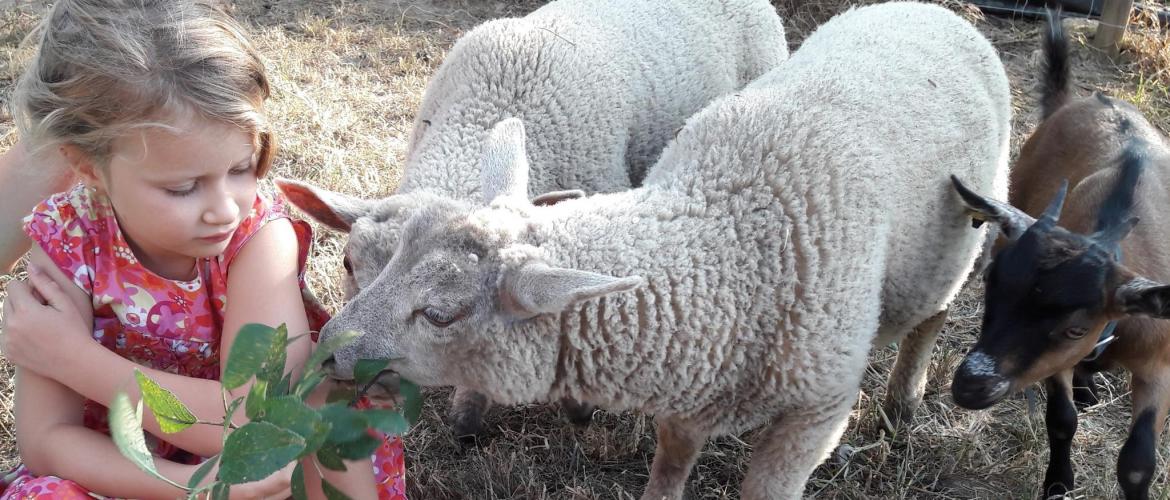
(105, 67)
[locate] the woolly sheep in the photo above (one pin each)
(601, 84)
(743, 283)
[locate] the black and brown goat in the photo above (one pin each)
(1061, 285)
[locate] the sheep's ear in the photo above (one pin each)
(504, 163)
(539, 289)
(335, 210)
(554, 197)
(1011, 220)
(1142, 296)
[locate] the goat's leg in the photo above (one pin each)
(679, 443)
(1061, 420)
(1137, 460)
(466, 416)
(1084, 387)
(907, 382)
(792, 447)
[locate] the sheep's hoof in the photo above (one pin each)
(577, 413)
(900, 412)
(467, 431)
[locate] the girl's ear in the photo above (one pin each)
(81, 164)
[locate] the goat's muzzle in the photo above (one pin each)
(977, 383)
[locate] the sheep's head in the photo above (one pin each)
(457, 301)
(1050, 293)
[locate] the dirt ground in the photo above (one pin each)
(348, 77)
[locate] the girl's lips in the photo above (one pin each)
(216, 238)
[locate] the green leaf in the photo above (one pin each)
(359, 449)
(411, 400)
(273, 371)
(366, 370)
(306, 385)
(247, 355)
(202, 472)
(221, 491)
(347, 423)
(388, 421)
(290, 413)
(332, 493)
(298, 483)
(257, 450)
(282, 387)
(328, 458)
(172, 415)
(328, 347)
(126, 431)
(257, 395)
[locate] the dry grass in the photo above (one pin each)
(348, 77)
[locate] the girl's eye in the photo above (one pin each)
(1075, 332)
(181, 191)
(439, 318)
(247, 169)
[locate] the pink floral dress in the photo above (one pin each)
(156, 322)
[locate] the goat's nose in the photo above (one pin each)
(977, 385)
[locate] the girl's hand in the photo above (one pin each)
(276, 486)
(42, 324)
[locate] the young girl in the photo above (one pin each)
(159, 256)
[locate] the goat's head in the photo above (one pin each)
(1050, 293)
(460, 277)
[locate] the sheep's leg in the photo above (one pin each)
(577, 412)
(466, 416)
(1061, 420)
(1137, 460)
(679, 444)
(791, 448)
(907, 382)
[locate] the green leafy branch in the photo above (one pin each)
(281, 427)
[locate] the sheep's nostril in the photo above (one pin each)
(329, 365)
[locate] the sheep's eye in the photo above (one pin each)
(348, 266)
(439, 318)
(1075, 332)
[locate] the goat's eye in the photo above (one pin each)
(439, 318)
(1075, 332)
(348, 266)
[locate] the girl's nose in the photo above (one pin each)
(222, 210)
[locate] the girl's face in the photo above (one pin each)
(180, 194)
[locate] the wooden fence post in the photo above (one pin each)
(1114, 19)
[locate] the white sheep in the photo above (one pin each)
(602, 84)
(743, 283)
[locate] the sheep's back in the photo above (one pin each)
(602, 86)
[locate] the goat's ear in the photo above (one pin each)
(504, 162)
(335, 210)
(554, 197)
(1011, 220)
(539, 289)
(1142, 296)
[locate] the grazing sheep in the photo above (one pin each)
(602, 84)
(743, 283)
(1053, 290)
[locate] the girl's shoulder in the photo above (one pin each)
(75, 228)
(265, 209)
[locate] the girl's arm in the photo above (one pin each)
(262, 288)
(53, 441)
(22, 186)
